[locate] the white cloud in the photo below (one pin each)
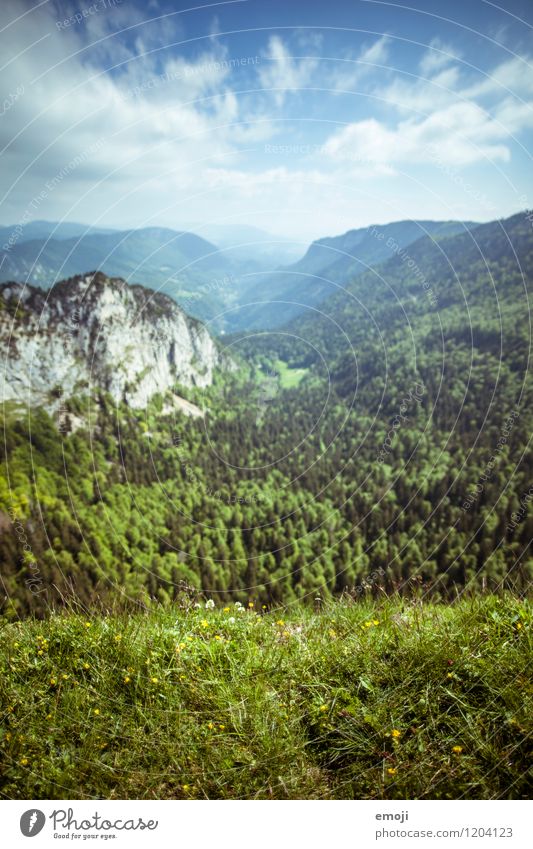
(515, 76)
(420, 95)
(353, 69)
(376, 53)
(282, 73)
(447, 119)
(462, 133)
(437, 56)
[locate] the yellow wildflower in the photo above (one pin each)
(457, 750)
(127, 679)
(24, 761)
(391, 770)
(87, 624)
(210, 725)
(96, 712)
(396, 733)
(323, 707)
(154, 680)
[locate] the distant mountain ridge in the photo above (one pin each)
(18, 233)
(179, 264)
(233, 287)
(330, 261)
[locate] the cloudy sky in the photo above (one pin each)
(303, 118)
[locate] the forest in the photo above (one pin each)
(378, 435)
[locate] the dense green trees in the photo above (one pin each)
(403, 452)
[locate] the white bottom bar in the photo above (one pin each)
(262, 824)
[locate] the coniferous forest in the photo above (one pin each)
(380, 434)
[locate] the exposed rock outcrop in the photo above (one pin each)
(93, 332)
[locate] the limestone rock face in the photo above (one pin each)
(93, 332)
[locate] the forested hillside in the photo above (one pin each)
(329, 264)
(380, 442)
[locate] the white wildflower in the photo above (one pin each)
(209, 605)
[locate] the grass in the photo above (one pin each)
(289, 377)
(393, 700)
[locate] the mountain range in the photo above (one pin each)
(328, 265)
(388, 430)
(238, 283)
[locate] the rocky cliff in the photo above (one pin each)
(93, 332)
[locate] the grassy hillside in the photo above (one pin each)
(385, 700)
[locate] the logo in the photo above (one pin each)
(32, 822)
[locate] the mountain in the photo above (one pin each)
(380, 444)
(17, 233)
(190, 269)
(94, 333)
(250, 248)
(328, 264)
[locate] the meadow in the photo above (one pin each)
(383, 699)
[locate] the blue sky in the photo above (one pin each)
(303, 118)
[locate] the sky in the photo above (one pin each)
(305, 119)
